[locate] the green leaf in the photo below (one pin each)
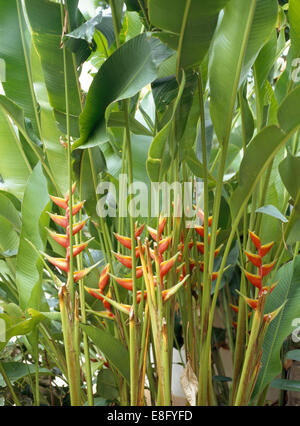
(34, 220)
(56, 153)
(196, 167)
(134, 58)
(9, 240)
(17, 370)
(287, 290)
(9, 212)
(14, 165)
(46, 34)
(267, 143)
(19, 328)
(188, 25)
(106, 385)
(287, 385)
(86, 31)
(294, 18)
(289, 170)
(117, 119)
(272, 211)
(294, 355)
(112, 348)
(244, 29)
(14, 50)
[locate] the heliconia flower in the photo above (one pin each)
(200, 248)
(214, 276)
(67, 193)
(77, 207)
(267, 268)
(98, 294)
(269, 289)
(255, 239)
(60, 202)
(77, 227)
(153, 233)
(251, 302)
(61, 239)
(161, 224)
(124, 282)
(192, 265)
(104, 277)
(167, 294)
(78, 248)
(255, 259)
(164, 244)
(138, 230)
(200, 230)
(60, 263)
(77, 276)
(272, 315)
(125, 260)
(125, 241)
(234, 307)
(139, 272)
(139, 296)
(266, 248)
(200, 214)
(262, 250)
(167, 265)
(256, 280)
(94, 293)
(59, 220)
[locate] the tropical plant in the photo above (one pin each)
(108, 102)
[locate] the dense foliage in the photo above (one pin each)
(93, 301)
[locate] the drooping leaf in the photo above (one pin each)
(244, 29)
(287, 290)
(267, 143)
(47, 31)
(188, 26)
(14, 165)
(294, 17)
(15, 51)
(289, 170)
(287, 385)
(112, 348)
(17, 370)
(272, 211)
(34, 220)
(9, 239)
(134, 58)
